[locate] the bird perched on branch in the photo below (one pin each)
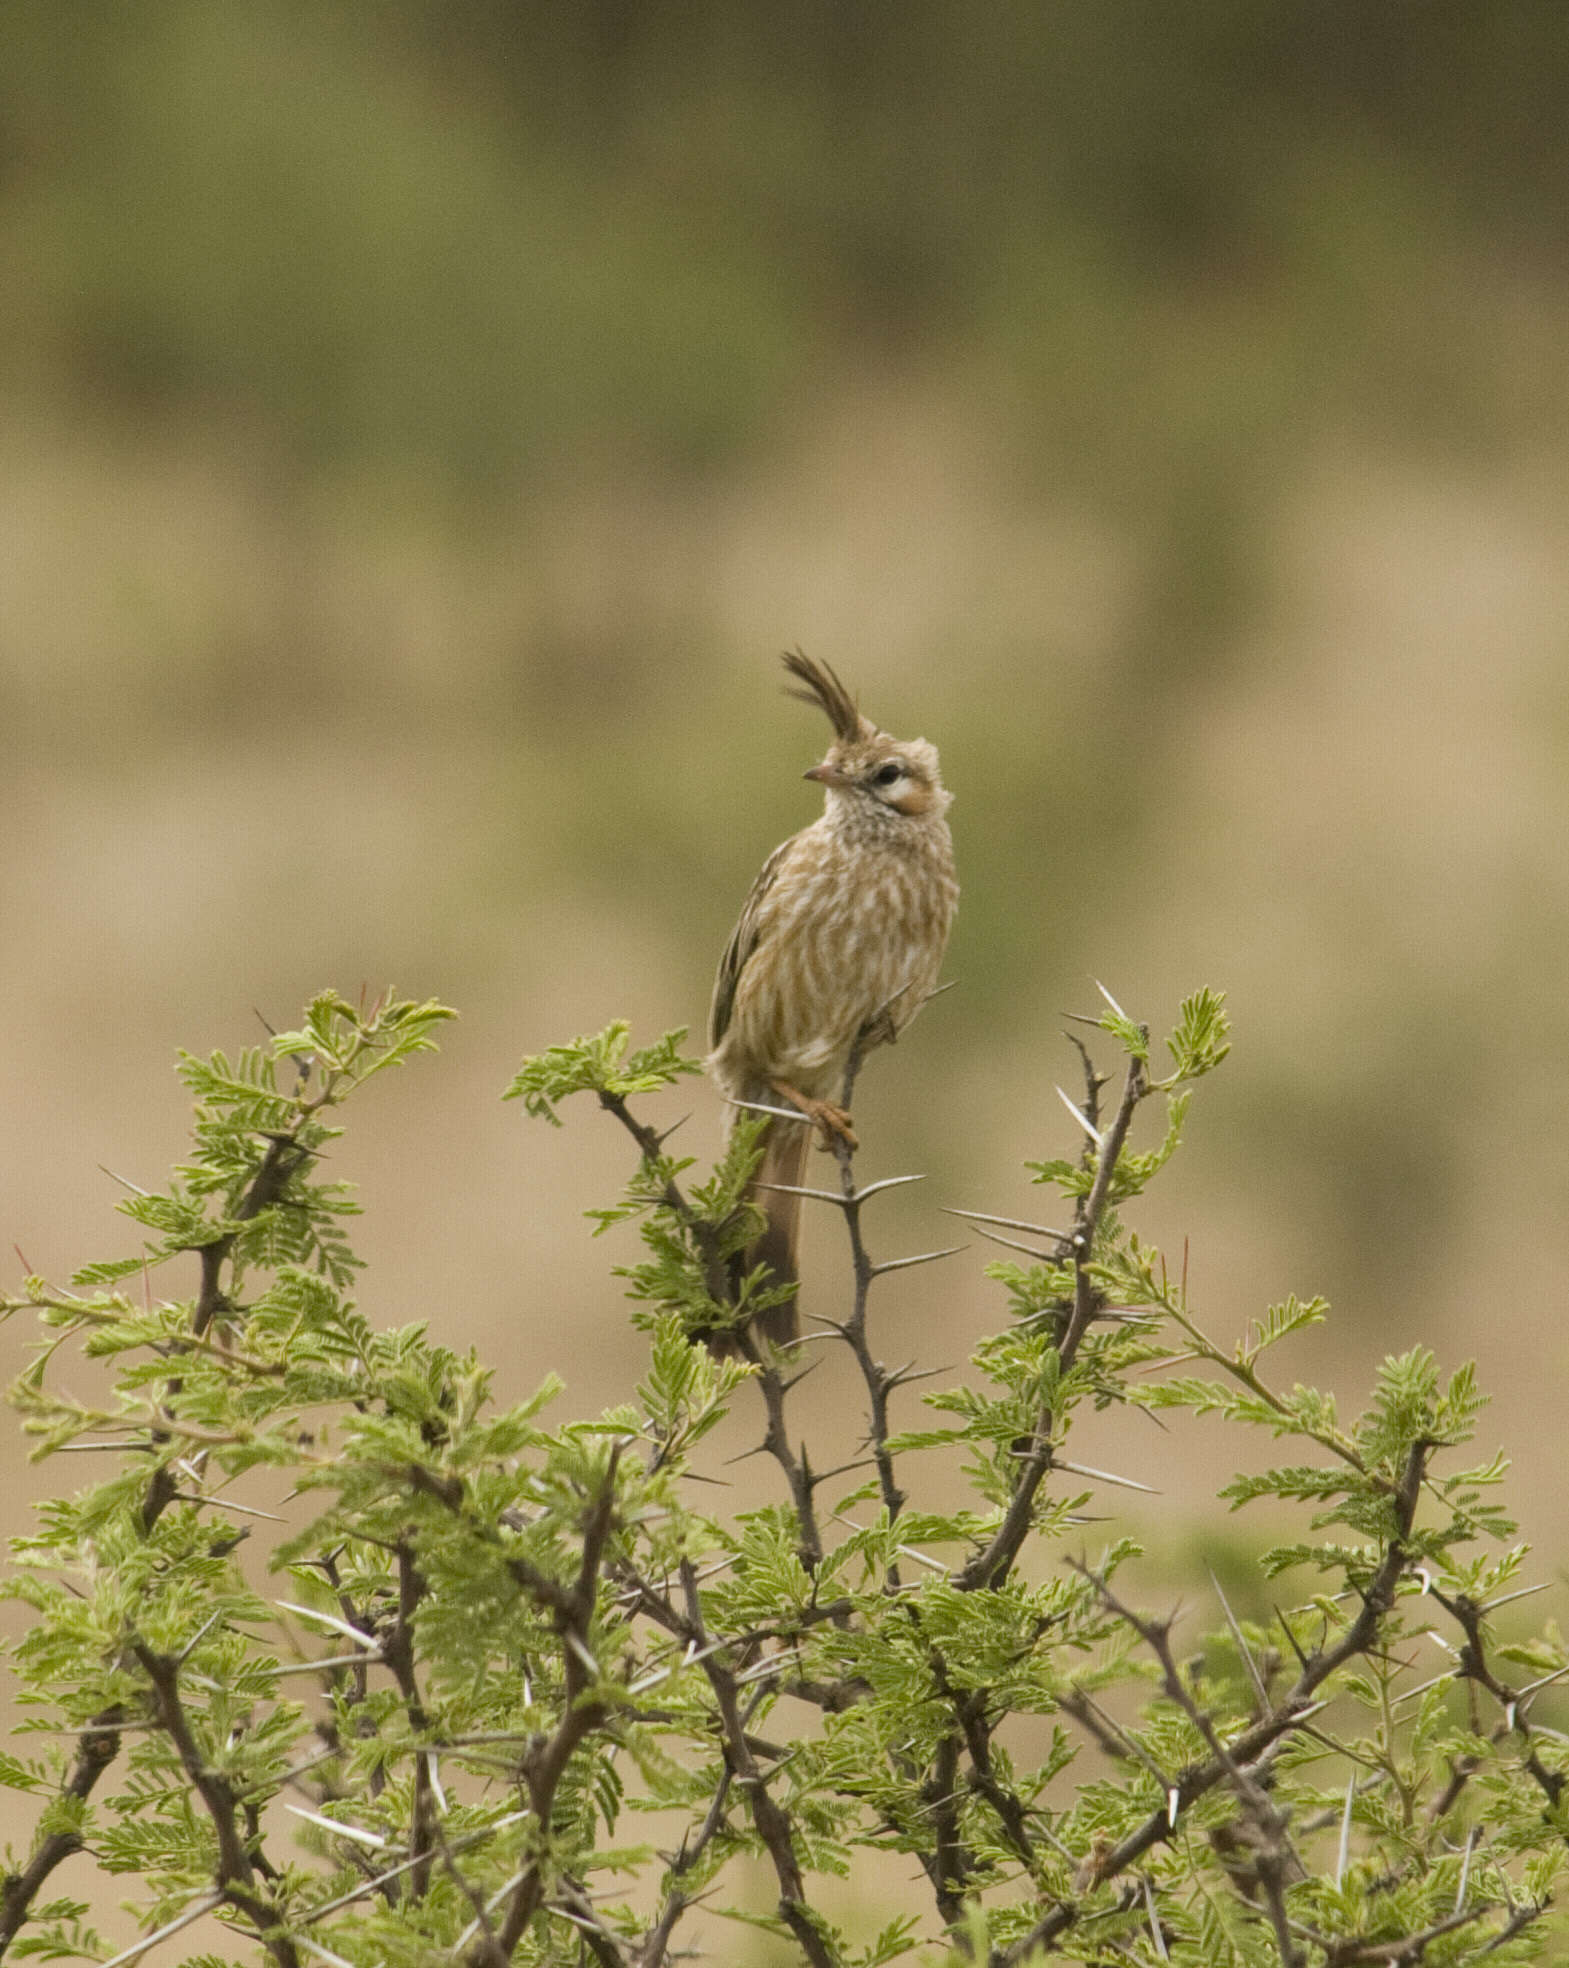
(839, 942)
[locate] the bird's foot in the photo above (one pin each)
(832, 1123)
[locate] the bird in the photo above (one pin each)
(839, 944)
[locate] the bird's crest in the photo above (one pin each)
(824, 689)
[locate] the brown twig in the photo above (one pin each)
(1093, 1206)
(1408, 1949)
(397, 1650)
(769, 1817)
(716, 1275)
(795, 1464)
(1275, 1863)
(101, 1745)
(656, 1942)
(573, 1904)
(991, 1564)
(879, 1381)
(717, 1281)
(545, 1761)
(1360, 1637)
(236, 1871)
(1474, 1667)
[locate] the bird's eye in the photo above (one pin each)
(885, 775)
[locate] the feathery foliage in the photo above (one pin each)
(371, 1667)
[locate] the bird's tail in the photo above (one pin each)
(784, 1162)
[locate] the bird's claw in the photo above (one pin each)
(832, 1124)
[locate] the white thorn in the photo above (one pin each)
(1082, 1118)
(204, 1904)
(760, 1107)
(321, 1953)
(1149, 1908)
(327, 1619)
(1345, 1830)
(1101, 1475)
(583, 1654)
(795, 1189)
(356, 1832)
(1117, 1008)
(1012, 1243)
(1007, 1222)
(888, 1182)
(926, 1257)
(1465, 1865)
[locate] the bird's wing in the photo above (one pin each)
(743, 941)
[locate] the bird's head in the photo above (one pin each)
(866, 767)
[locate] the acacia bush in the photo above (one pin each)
(502, 1689)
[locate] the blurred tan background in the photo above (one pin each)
(423, 424)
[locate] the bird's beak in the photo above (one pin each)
(826, 775)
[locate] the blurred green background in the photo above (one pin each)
(423, 423)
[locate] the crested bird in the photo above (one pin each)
(838, 944)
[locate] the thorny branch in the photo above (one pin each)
(770, 1818)
(742, 1771)
(100, 1744)
(991, 1564)
(545, 1760)
(948, 1863)
(397, 1650)
(236, 1870)
(772, 1383)
(795, 1463)
(1242, 1765)
(960, 1853)
(1361, 1636)
(1275, 1863)
(656, 1942)
(651, 1145)
(1515, 1703)
(880, 1380)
